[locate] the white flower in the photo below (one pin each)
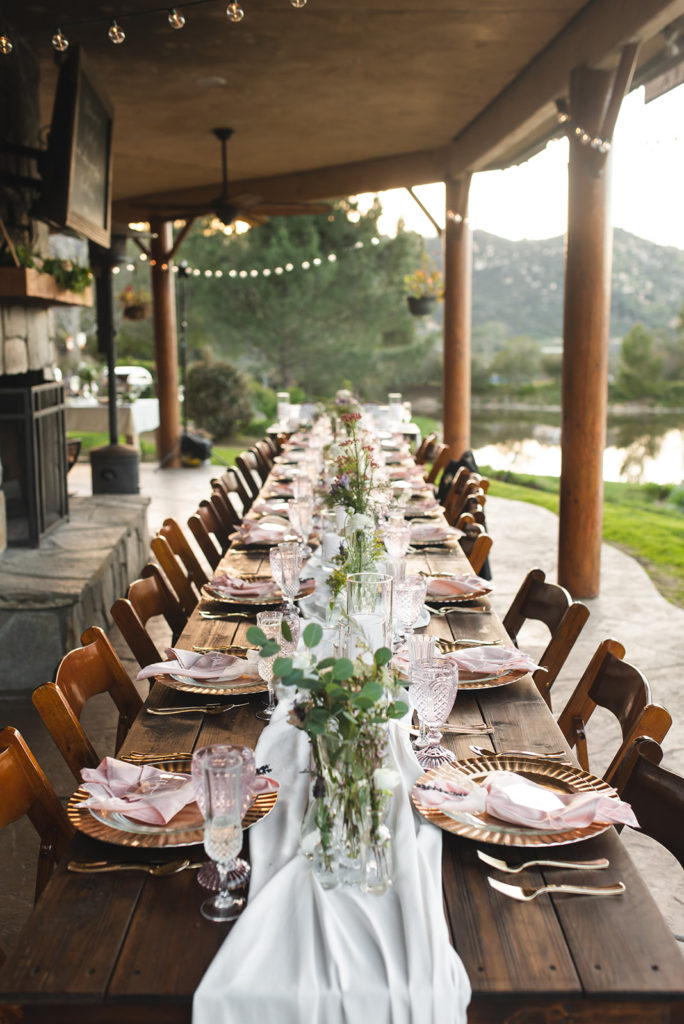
(359, 522)
(301, 660)
(386, 780)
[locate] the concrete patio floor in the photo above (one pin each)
(629, 609)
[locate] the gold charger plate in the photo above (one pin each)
(486, 829)
(275, 596)
(186, 829)
(470, 595)
(489, 682)
(231, 686)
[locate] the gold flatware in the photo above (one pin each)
(446, 646)
(207, 709)
(227, 615)
(513, 869)
(223, 649)
(517, 892)
(145, 757)
(95, 867)
(457, 730)
(459, 610)
(539, 755)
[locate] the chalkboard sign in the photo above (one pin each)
(77, 171)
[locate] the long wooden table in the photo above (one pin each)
(107, 948)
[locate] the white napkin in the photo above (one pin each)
(479, 661)
(303, 955)
(256, 533)
(225, 585)
(211, 666)
(144, 793)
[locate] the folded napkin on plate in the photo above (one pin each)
(411, 472)
(141, 792)
(457, 585)
(225, 585)
(270, 505)
(258, 533)
(416, 506)
(437, 529)
(211, 666)
(488, 661)
(513, 798)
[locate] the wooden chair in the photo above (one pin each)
(452, 482)
(551, 604)
(421, 453)
(656, 794)
(147, 597)
(179, 564)
(230, 485)
(81, 674)
(247, 464)
(209, 532)
(441, 461)
(476, 544)
(614, 684)
(25, 790)
(228, 518)
(262, 449)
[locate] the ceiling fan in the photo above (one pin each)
(250, 208)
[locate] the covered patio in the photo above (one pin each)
(326, 102)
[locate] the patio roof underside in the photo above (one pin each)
(339, 97)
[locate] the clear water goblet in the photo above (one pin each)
(409, 599)
(421, 652)
(270, 623)
(300, 513)
(221, 774)
(302, 486)
(396, 536)
(434, 692)
(239, 869)
(286, 563)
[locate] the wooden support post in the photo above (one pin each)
(165, 344)
(457, 305)
(586, 323)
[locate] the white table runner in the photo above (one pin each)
(300, 954)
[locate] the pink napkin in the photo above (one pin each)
(489, 661)
(225, 585)
(422, 505)
(258, 533)
(210, 667)
(141, 792)
(408, 472)
(269, 506)
(437, 529)
(455, 586)
(513, 798)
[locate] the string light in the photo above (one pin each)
(6, 45)
(60, 42)
(235, 12)
(298, 3)
(176, 19)
(116, 33)
(584, 137)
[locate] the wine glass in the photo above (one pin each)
(434, 692)
(239, 869)
(300, 512)
(221, 773)
(421, 652)
(270, 622)
(396, 537)
(409, 598)
(286, 562)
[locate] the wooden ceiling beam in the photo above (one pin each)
(601, 29)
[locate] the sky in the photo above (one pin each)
(530, 201)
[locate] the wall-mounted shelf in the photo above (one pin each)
(26, 284)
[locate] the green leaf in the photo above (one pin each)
(286, 631)
(326, 663)
(372, 691)
(343, 669)
(312, 635)
(382, 656)
(282, 667)
(316, 721)
(269, 649)
(256, 636)
(397, 710)
(337, 692)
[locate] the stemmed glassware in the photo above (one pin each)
(421, 653)
(221, 773)
(433, 692)
(239, 869)
(396, 536)
(408, 601)
(270, 623)
(286, 562)
(300, 512)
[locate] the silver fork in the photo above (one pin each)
(517, 892)
(513, 869)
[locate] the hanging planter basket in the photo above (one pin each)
(139, 311)
(421, 305)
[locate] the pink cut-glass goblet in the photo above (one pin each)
(433, 693)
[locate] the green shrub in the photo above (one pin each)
(218, 398)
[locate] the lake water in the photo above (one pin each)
(638, 450)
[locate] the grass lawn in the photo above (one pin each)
(634, 519)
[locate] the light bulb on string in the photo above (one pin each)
(298, 3)
(176, 19)
(235, 12)
(6, 45)
(60, 41)
(116, 33)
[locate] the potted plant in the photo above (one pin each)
(424, 287)
(135, 302)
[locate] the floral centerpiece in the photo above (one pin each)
(344, 707)
(423, 287)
